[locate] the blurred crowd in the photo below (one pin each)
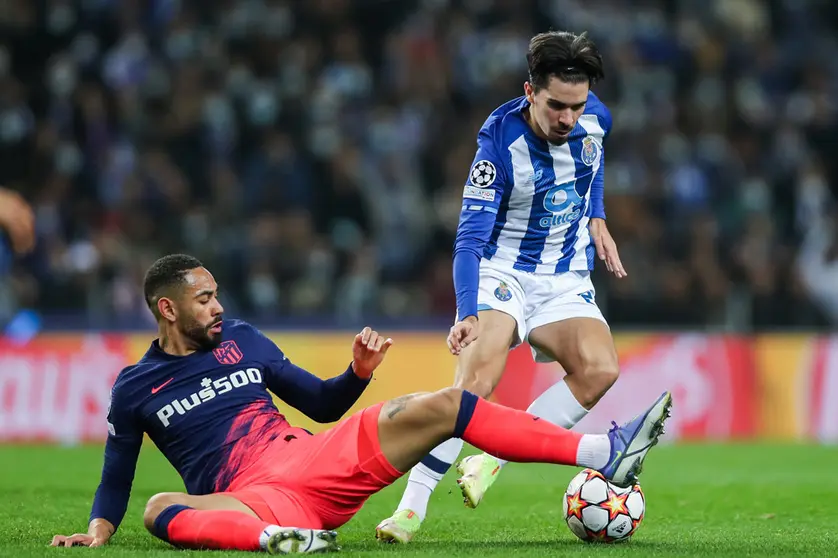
(313, 153)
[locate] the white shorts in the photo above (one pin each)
(536, 299)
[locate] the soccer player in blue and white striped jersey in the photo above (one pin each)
(531, 226)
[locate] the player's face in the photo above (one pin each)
(555, 109)
(200, 311)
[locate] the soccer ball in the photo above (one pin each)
(597, 511)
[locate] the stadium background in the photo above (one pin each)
(313, 155)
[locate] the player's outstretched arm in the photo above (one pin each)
(122, 449)
(328, 400)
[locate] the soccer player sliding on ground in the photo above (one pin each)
(253, 481)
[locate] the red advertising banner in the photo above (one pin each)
(57, 388)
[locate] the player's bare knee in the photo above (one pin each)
(480, 387)
(597, 379)
(480, 376)
(449, 402)
(452, 396)
(444, 405)
(157, 504)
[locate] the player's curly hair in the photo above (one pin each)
(571, 58)
(165, 274)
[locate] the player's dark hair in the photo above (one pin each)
(571, 58)
(166, 274)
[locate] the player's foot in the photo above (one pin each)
(290, 540)
(477, 474)
(399, 528)
(632, 441)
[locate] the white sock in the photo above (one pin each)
(594, 451)
(426, 475)
(266, 534)
(557, 405)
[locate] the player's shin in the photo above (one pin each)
(186, 527)
(426, 475)
(518, 436)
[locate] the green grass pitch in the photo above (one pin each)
(703, 500)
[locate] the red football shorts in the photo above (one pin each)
(321, 481)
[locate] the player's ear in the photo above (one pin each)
(166, 309)
(528, 91)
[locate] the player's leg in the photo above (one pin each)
(568, 327)
(409, 426)
(336, 471)
(214, 521)
(479, 369)
(223, 522)
(585, 349)
(481, 364)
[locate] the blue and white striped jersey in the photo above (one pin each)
(527, 203)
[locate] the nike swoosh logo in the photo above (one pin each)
(616, 457)
(161, 386)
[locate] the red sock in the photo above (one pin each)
(514, 435)
(209, 529)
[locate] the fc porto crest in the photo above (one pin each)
(590, 150)
(502, 293)
(228, 353)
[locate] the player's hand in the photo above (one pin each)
(98, 533)
(18, 220)
(462, 334)
(606, 248)
(368, 352)
(79, 539)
